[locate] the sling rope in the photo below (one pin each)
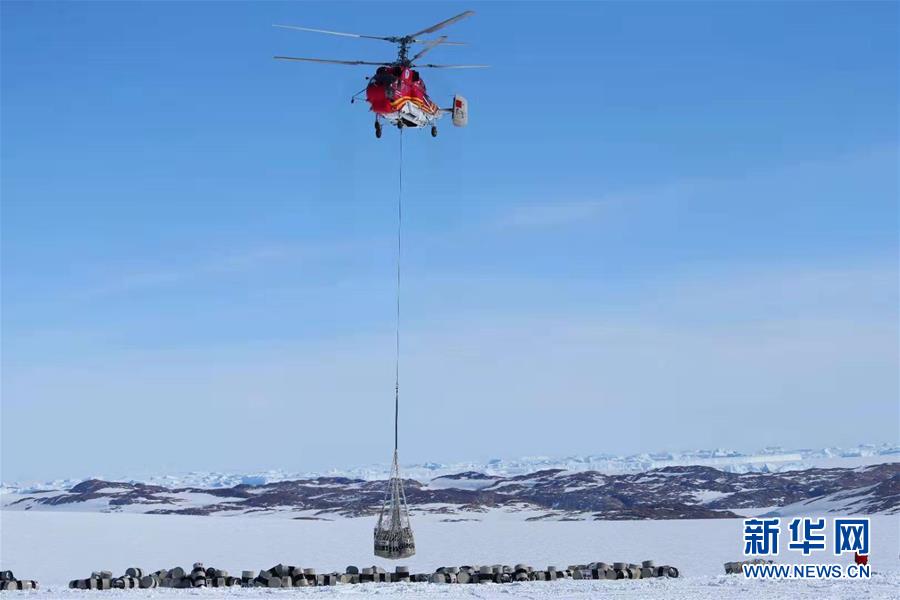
(399, 248)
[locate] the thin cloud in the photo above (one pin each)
(555, 213)
(552, 214)
(767, 182)
(694, 353)
(258, 257)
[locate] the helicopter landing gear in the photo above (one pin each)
(377, 129)
(434, 131)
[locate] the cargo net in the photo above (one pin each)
(393, 534)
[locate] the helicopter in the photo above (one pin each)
(396, 92)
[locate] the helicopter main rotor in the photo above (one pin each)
(403, 41)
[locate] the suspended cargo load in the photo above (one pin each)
(393, 534)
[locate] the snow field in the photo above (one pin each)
(53, 548)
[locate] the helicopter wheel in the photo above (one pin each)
(377, 129)
(434, 131)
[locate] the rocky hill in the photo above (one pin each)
(682, 492)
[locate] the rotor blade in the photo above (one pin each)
(447, 43)
(431, 66)
(430, 45)
(340, 33)
(333, 62)
(443, 24)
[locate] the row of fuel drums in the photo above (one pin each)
(737, 567)
(521, 572)
(8, 582)
(135, 577)
(281, 576)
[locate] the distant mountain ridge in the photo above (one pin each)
(767, 460)
(676, 492)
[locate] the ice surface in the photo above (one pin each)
(55, 547)
(700, 588)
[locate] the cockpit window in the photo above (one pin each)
(383, 75)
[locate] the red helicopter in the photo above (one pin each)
(396, 92)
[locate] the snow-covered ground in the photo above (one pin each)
(55, 547)
(881, 586)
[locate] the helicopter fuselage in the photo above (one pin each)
(397, 94)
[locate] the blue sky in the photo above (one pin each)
(668, 225)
